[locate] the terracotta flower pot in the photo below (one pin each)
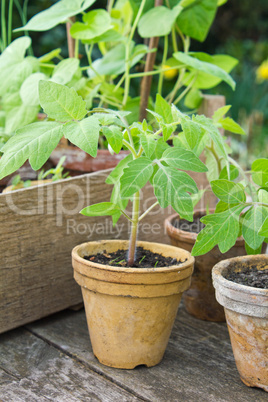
(130, 311)
(200, 299)
(246, 310)
(78, 161)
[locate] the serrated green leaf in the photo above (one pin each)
(60, 102)
(34, 142)
(100, 209)
(193, 133)
(158, 21)
(221, 228)
(117, 172)
(252, 221)
(19, 117)
(170, 188)
(56, 14)
(65, 70)
(228, 191)
(205, 67)
(259, 170)
(234, 173)
(148, 143)
(95, 23)
(135, 176)
(221, 112)
(29, 90)
(163, 109)
(114, 137)
(84, 134)
(181, 158)
(230, 125)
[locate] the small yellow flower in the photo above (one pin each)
(170, 74)
(262, 71)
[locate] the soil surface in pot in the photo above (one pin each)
(193, 227)
(144, 259)
(250, 277)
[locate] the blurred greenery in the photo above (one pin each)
(239, 30)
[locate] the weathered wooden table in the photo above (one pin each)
(52, 359)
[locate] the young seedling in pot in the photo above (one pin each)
(152, 158)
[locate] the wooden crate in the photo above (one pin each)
(40, 226)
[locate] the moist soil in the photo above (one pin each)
(193, 227)
(250, 277)
(144, 259)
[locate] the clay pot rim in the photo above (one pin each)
(183, 266)
(220, 280)
(190, 237)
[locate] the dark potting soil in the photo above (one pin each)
(193, 227)
(250, 277)
(144, 259)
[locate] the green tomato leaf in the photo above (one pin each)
(84, 134)
(181, 158)
(252, 222)
(101, 209)
(96, 22)
(19, 117)
(228, 191)
(158, 21)
(221, 228)
(108, 36)
(220, 113)
(117, 172)
(259, 170)
(263, 196)
(205, 67)
(135, 176)
(61, 103)
(234, 173)
(230, 125)
(250, 250)
(34, 142)
(193, 99)
(163, 110)
(56, 14)
(170, 188)
(114, 137)
(148, 143)
(193, 133)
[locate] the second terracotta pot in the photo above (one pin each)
(200, 299)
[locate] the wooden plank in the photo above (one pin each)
(198, 364)
(39, 228)
(33, 370)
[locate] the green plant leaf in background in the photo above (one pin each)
(95, 23)
(204, 67)
(252, 221)
(228, 191)
(158, 21)
(20, 116)
(163, 109)
(41, 136)
(230, 125)
(61, 103)
(84, 134)
(65, 70)
(56, 14)
(234, 173)
(204, 80)
(259, 170)
(264, 228)
(29, 90)
(197, 17)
